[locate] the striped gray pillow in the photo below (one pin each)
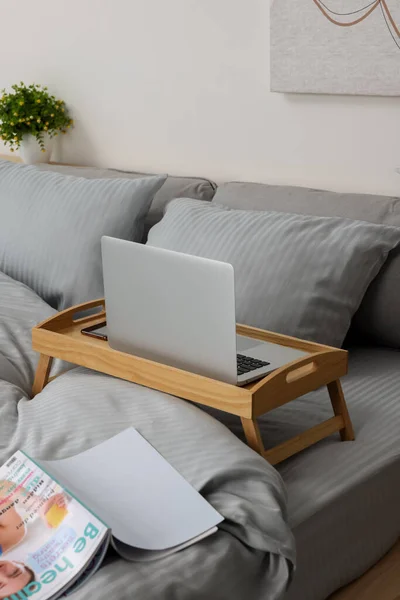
(300, 275)
(51, 226)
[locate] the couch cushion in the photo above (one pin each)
(379, 315)
(299, 275)
(51, 227)
(174, 187)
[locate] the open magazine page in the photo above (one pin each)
(46, 536)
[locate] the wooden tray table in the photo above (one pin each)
(60, 337)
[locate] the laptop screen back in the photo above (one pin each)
(171, 308)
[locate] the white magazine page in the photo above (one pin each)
(129, 485)
(46, 536)
(139, 555)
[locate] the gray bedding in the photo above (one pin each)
(344, 497)
(252, 554)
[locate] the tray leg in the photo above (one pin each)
(253, 435)
(340, 408)
(42, 374)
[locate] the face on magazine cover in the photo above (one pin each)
(14, 576)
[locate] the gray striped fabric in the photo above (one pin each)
(299, 275)
(252, 554)
(378, 317)
(20, 310)
(344, 497)
(174, 187)
(51, 226)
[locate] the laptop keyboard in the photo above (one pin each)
(245, 364)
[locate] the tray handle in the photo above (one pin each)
(298, 372)
(299, 377)
(67, 317)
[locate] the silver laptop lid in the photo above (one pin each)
(172, 308)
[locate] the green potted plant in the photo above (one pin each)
(30, 118)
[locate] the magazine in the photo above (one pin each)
(57, 518)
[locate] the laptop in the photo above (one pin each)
(178, 309)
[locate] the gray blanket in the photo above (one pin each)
(252, 554)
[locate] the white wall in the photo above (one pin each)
(183, 86)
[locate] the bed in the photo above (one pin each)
(337, 502)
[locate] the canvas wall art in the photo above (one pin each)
(336, 46)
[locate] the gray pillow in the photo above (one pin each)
(378, 317)
(51, 226)
(174, 187)
(299, 275)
